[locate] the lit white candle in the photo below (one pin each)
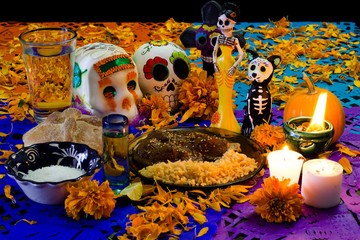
(285, 164)
(321, 183)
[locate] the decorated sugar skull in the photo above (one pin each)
(205, 40)
(162, 66)
(105, 81)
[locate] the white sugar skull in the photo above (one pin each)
(162, 66)
(105, 81)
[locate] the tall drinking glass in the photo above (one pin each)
(115, 151)
(49, 57)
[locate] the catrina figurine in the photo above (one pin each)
(259, 102)
(225, 67)
(204, 37)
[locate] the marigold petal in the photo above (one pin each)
(345, 163)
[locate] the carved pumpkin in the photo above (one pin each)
(303, 103)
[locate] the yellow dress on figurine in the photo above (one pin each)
(225, 66)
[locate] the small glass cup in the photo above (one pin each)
(49, 57)
(115, 151)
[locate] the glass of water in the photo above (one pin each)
(49, 57)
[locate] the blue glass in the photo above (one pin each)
(115, 151)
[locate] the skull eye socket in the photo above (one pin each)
(263, 69)
(156, 68)
(221, 22)
(109, 92)
(227, 22)
(160, 72)
(131, 85)
(252, 67)
(213, 41)
(202, 40)
(181, 68)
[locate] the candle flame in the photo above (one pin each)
(285, 152)
(325, 168)
(317, 122)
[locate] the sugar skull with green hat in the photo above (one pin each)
(105, 81)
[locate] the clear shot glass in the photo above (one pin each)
(115, 151)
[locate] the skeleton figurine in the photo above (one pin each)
(259, 100)
(225, 66)
(204, 37)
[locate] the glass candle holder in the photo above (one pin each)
(115, 151)
(49, 57)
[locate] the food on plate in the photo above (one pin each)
(229, 167)
(163, 146)
(190, 158)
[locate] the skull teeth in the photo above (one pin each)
(172, 100)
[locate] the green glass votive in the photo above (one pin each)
(309, 144)
(115, 151)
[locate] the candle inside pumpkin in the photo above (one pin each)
(317, 123)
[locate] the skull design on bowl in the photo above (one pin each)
(105, 81)
(162, 66)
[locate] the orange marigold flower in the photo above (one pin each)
(277, 201)
(267, 135)
(89, 198)
(155, 109)
(198, 95)
(148, 103)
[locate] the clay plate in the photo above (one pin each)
(248, 147)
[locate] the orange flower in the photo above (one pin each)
(149, 103)
(198, 95)
(89, 198)
(277, 201)
(157, 110)
(267, 135)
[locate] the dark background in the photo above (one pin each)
(180, 10)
